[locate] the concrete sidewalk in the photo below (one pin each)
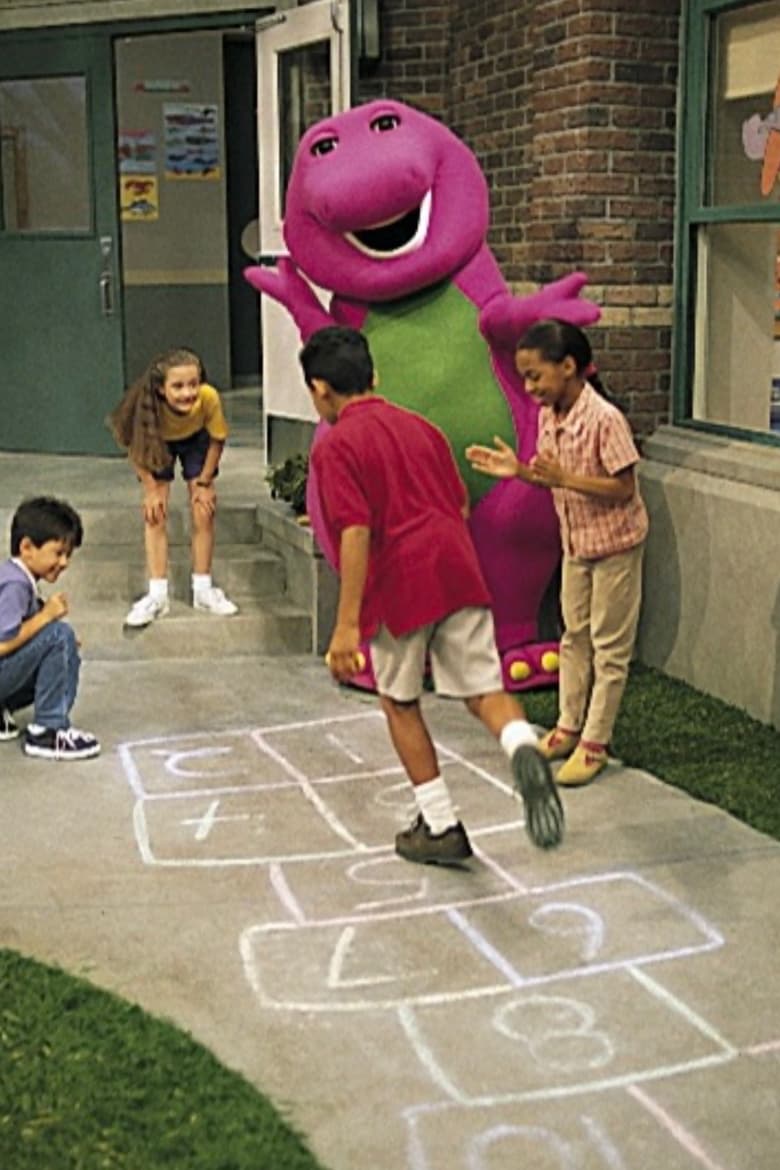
(227, 863)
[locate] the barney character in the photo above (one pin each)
(388, 210)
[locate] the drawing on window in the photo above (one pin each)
(761, 141)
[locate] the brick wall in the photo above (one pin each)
(570, 107)
(415, 50)
(603, 178)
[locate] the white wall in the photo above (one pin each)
(711, 607)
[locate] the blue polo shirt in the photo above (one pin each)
(19, 599)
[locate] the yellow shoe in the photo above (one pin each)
(581, 767)
(557, 744)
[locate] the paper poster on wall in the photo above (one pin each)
(138, 198)
(137, 152)
(191, 141)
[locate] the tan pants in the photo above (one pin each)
(600, 603)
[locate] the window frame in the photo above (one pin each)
(71, 232)
(696, 56)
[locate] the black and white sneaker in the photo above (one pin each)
(8, 728)
(64, 743)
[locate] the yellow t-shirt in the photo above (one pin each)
(206, 412)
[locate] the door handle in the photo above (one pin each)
(106, 295)
(106, 281)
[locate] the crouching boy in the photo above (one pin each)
(39, 654)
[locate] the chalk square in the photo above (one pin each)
(355, 965)
(200, 762)
(484, 800)
(341, 746)
(580, 1034)
(242, 827)
(590, 925)
(383, 885)
(591, 1131)
(375, 807)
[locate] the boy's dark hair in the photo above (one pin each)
(340, 357)
(555, 340)
(44, 518)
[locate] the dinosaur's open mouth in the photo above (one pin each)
(394, 237)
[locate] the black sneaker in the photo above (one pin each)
(64, 743)
(543, 809)
(418, 843)
(8, 728)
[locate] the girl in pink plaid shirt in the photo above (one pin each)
(587, 457)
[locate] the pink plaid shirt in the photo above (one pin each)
(593, 439)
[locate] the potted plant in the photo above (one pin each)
(287, 481)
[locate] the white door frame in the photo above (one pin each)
(284, 393)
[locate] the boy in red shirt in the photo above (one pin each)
(394, 506)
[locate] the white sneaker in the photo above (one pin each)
(213, 600)
(8, 727)
(146, 609)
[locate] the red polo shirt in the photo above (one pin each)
(388, 469)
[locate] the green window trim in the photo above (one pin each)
(694, 210)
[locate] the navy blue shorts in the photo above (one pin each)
(191, 453)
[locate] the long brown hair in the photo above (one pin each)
(135, 422)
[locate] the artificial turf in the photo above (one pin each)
(714, 751)
(89, 1082)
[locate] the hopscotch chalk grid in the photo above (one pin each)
(551, 1024)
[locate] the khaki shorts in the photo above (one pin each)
(462, 651)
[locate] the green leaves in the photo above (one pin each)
(288, 481)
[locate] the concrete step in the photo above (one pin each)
(276, 628)
(102, 573)
(115, 526)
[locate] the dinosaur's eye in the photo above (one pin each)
(325, 145)
(385, 122)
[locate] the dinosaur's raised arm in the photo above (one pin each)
(505, 317)
(286, 285)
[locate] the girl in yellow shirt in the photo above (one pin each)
(172, 413)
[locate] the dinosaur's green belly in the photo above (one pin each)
(431, 357)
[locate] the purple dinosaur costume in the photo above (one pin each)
(388, 210)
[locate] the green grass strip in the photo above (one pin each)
(702, 745)
(89, 1082)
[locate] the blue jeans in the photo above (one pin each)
(43, 672)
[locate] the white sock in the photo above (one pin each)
(433, 801)
(35, 728)
(515, 734)
(158, 588)
(201, 582)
